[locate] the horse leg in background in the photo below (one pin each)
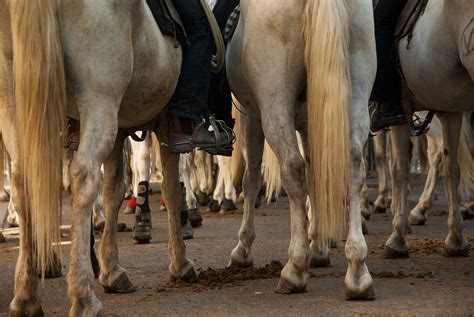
(218, 194)
(318, 257)
(203, 194)
(127, 170)
(455, 244)
(113, 277)
(380, 147)
(253, 141)
(67, 159)
(98, 209)
(435, 153)
(181, 268)
(12, 220)
(193, 214)
(140, 163)
(365, 204)
(230, 196)
(397, 246)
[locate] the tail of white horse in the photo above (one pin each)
(2, 163)
(271, 173)
(465, 161)
(41, 100)
(328, 96)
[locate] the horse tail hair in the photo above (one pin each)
(237, 161)
(271, 173)
(329, 94)
(40, 91)
(465, 161)
(2, 163)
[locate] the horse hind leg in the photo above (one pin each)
(253, 141)
(455, 244)
(380, 142)
(397, 246)
(94, 148)
(281, 136)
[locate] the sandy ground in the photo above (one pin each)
(426, 284)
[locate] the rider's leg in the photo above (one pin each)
(387, 109)
(188, 106)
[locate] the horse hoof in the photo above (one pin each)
(466, 213)
(2, 238)
(379, 210)
(367, 294)
(187, 231)
(213, 206)
(202, 198)
(189, 277)
(452, 252)
(22, 309)
(38, 313)
(228, 205)
(366, 215)
(364, 228)
(320, 262)
(99, 226)
(194, 216)
(416, 219)
(120, 285)
(285, 287)
(391, 253)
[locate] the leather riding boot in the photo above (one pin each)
(386, 114)
(184, 135)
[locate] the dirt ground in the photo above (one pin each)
(426, 284)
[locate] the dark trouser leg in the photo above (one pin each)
(386, 91)
(190, 98)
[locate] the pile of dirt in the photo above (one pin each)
(425, 246)
(438, 213)
(401, 274)
(218, 278)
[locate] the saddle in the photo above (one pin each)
(168, 20)
(408, 18)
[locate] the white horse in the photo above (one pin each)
(438, 67)
(270, 62)
(44, 50)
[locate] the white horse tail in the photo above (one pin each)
(2, 164)
(329, 100)
(465, 161)
(271, 173)
(40, 90)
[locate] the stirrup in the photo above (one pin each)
(419, 126)
(219, 127)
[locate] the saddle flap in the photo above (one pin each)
(408, 18)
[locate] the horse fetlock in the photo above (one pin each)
(292, 280)
(26, 308)
(318, 258)
(359, 283)
(417, 217)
